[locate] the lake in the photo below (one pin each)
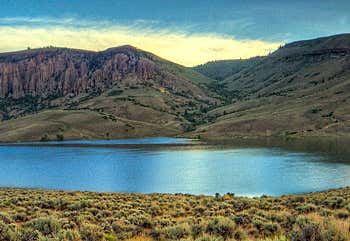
(171, 165)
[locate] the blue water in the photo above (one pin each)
(135, 141)
(194, 169)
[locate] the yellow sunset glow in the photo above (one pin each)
(185, 49)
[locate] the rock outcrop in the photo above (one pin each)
(58, 72)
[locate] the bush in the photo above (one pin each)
(25, 234)
(306, 231)
(271, 229)
(90, 232)
(115, 92)
(331, 233)
(155, 234)
(20, 217)
(348, 208)
(334, 202)
(196, 230)
(325, 212)
(5, 218)
(141, 221)
(315, 110)
(221, 226)
(60, 137)
(242, 219)
(45, 138)
(306, 208)
(209, 238)
(68, 235)
(177, 232)
(341, 215)
(46, 226)
(239, 234)
(110, 237)
(5, 232)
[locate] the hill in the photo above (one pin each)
(119, 92)
(303, 88)
(221, 69)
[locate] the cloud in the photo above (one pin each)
(178, 46)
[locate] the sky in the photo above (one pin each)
(184, 31)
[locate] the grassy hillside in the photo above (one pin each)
(151, 97)
(52, 125)
(74, 216)
(221, 69)
(133, 112)
(301, 89)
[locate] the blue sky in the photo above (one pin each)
(268, 22)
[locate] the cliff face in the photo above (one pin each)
(60, 72)
(122, 82)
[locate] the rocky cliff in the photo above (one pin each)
(117, 93)
(58, 72)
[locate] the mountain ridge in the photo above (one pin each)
(301, 89)
(130, 92)
(297, 89)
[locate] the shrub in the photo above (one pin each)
(239, 234)
(348, 208)
(341, 215)
(306, 208)
(242, 219)
(110, 237)
(25, 234)
(196, 230)
(271, 229)
(177, 232)
(199, 210)
(60, 137)
(331, 233)
(221, 226)
(5, 218)
(258, 223)
(209, 238)
(45, 138)
(20, 217)
(155, 234)
(141, 221)
(325, 212)
(90, 232)
(306, 231)
(5, 232)
(315, 110)
(46, 226)
(334, 202)
(115, 92)
(68, 235)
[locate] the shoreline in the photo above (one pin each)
(172, 194)
(205, 138)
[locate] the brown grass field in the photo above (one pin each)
(90, 216)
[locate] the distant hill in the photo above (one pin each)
(302, 89)
(221, 69)
(119, 92)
